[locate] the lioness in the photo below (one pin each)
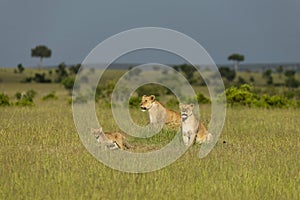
(191, 127)
(158, 113)
(110, 140)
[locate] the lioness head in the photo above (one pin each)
(186, 110)
(146, 102)
(97, 132)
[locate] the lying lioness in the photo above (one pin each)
(111, 141)
(158, 113)
(191, 127)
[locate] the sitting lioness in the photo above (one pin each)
(158, 113)
(191, 127)
(111, 141)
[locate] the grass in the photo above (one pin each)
(42, 157)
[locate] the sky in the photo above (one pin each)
(264, 31)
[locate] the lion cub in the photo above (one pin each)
(158, 113)
(110, 140)
(191, 127)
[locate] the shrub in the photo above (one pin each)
(68, 83)
(25, 99)
(244, 95)
(40, 78)
(202, 99)
(134, 101)
(27, 80)
(240, 96)
(291, 82)
(51, 95)
(4, 100)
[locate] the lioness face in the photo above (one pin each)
(146, 102)
(97, 132)
(186, 110)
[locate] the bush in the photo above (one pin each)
(40, 78)
(51, 95)
(152, 89)
(68, 83)
(244, 95)
(134, 101)
(25, 99)
(240, 95)
(202, 99)
(104, 90)
(27, 80)
(291, 82)
(4, 100)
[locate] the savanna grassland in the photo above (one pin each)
(42, 156)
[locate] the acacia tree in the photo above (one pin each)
(41, 51)
(237, 58)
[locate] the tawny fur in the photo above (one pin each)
(115, 140)
(158, 113)
(191, 128)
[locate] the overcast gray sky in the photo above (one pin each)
(262, 30)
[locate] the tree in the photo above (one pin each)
(290, 73)
(267, 75)
(237, 58)
(41, 51)
(20, 68)
(75, 68)
(227, 73)
(279, 70)
(188, 71)
(61, 72)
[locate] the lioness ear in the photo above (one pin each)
(144, 96)
(152, 97)
(192, 105)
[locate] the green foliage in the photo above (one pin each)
(188, 71)
(51, 95)
(41, 51)
(41, 78)
(155, 89)
(68, 82)
(134, 101)
(20, 68)
(245, 95)
(240, 81)
(240, 95)
(61, 72)
(291, 82)
(4, 100)
(267, 75)
(279, 69)
(236, 57)
(227, 73)
(18, 95)
(104, 90)
(202, 99)
(75, 68)
(27, 80)
(25, 99)
(289, 73)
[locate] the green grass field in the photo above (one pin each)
(42, 157)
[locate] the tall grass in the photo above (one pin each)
(42, 157)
